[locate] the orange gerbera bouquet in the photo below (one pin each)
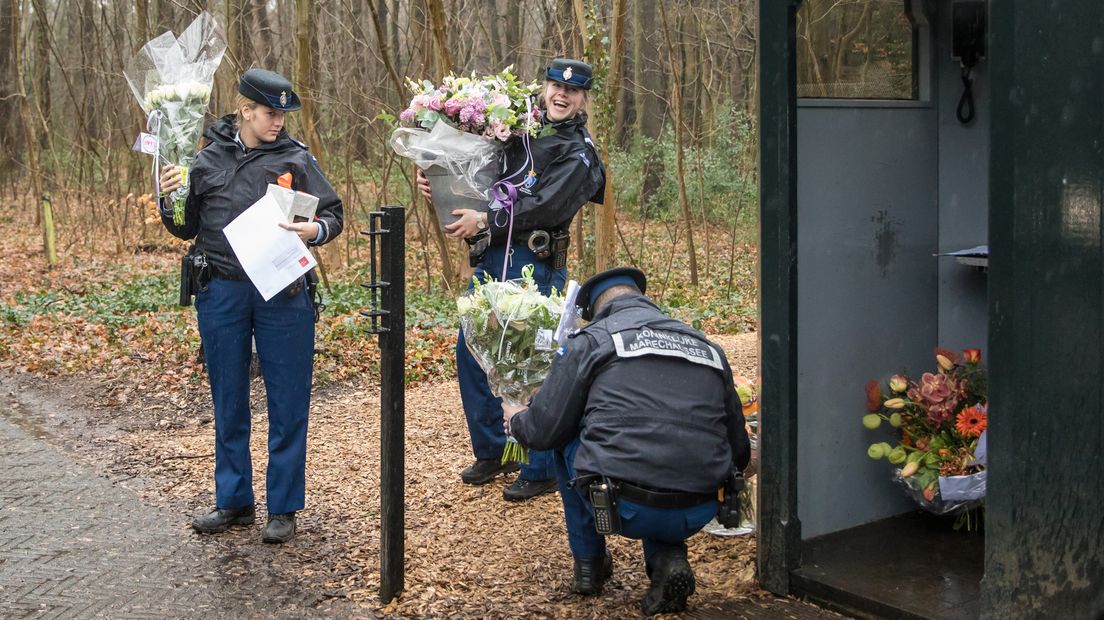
(941, 421)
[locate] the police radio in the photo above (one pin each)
(604, 499)
(728, 513)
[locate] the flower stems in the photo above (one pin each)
(514, 453)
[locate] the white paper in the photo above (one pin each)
(271, 256)
(978, 250)
(570, 317)
(146, 143)
(297, 206)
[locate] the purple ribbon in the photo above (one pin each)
(505, 194)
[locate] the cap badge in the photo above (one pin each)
(567, 73)
(283, 97)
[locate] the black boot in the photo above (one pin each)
(483, 471)
(280, 528)
(591, 574)
(522, 490)
(220, 519)
(672, 583)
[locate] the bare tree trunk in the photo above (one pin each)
(305, 78)
(42, 77)
(680, 142)
(30, 130)
(605, 234)
(513, 31)
(8, 112)
(440, 35)
(262, 26)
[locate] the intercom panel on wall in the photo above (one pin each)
(968, 36)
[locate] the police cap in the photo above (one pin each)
(593, 288)
(269, 88)
(569, 71)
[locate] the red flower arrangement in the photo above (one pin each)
(940, 419)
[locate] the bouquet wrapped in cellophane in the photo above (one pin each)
(510, 330)
(172, 79)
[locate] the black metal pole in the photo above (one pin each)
(392, 403)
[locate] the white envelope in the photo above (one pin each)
(271, 256)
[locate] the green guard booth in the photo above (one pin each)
(876, 163)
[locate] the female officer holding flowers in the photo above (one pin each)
(248, 150)
(553, 176)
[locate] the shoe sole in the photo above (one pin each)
(677, 587)
(505, 469)
(219, 530)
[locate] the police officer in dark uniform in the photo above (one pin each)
(646, 425)
(247, 151)
(562, 174)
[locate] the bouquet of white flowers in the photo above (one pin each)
(172, 79)
(510, 330)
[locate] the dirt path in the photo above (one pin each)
(468, 553)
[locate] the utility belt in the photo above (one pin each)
(605, 493)
(545, 245)
(196, 273)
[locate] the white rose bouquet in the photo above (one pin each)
(172, 79)
(510, 330)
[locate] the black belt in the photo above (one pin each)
(227, 275)
(661, 499)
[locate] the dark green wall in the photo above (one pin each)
(1045, 524)
(779, 529)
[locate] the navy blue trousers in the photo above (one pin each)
(482, 409)
(231, 314)
(659, 529)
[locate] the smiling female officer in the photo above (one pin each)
(563, 174)
(249, 150)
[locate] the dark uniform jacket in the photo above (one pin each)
(651, 399)
(567, 174)
(226, 180)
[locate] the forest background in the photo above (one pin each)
(90, 274)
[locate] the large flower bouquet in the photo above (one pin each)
(941, 420)
(172, 79)
(455, 131)
(509, 328)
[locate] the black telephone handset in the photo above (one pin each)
(968, 47)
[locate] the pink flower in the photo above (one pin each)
(501, 131)
(501, 99)
(473, 116)
(418, 103)
(434, 103)
(407, 116)
(453, 106)
(939, 394)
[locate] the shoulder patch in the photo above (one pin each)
(647, 341)
(583, 156)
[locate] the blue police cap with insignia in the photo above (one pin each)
(568, 71)
(593, 288)
(269, 88)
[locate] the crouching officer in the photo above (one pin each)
(646, 425)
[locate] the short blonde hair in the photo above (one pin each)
(242, 102)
